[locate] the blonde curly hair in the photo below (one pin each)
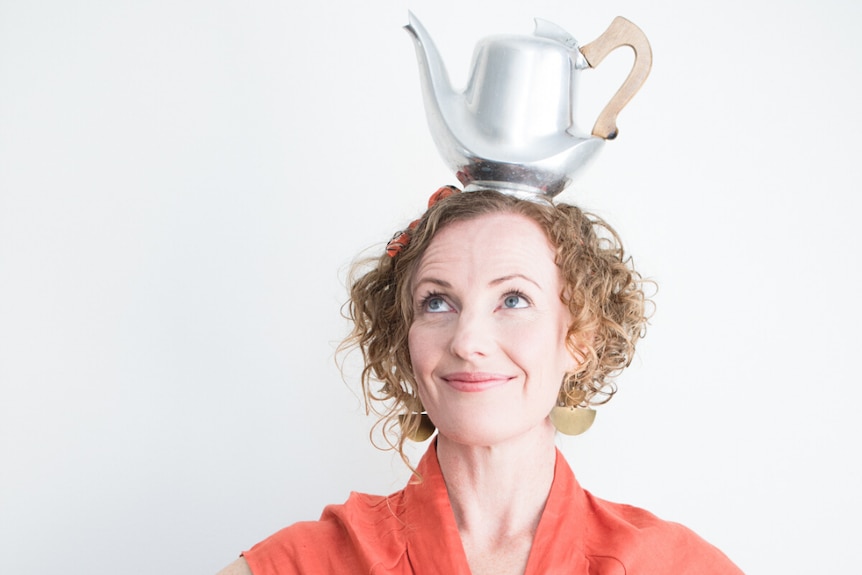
(603, 292)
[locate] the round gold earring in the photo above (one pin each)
(414, 428)
(567, 417)
(421, 431)
(572, 420)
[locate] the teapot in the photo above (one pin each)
(512, 128)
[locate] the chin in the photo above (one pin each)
(479, 434)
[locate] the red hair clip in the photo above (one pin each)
(400, 240)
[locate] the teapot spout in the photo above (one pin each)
(430, 63)
(437, 93)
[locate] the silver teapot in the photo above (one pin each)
(512, 128)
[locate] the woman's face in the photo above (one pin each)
(488, 335)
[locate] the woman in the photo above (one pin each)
(487, 314)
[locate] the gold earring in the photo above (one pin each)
(414, 428)
(567, 417)
(572, 420)
(416, 432)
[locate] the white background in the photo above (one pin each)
(184, 183)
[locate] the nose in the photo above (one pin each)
(472, 336)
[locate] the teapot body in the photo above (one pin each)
(521, 90)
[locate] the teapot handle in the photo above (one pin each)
(621, 32)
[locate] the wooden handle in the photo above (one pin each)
(621, 32)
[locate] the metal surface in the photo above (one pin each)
(572, 420)
(512, 128)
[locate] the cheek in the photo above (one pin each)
(420, 360)
(417, 346)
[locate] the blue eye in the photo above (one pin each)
(514, 301)
(435, 304)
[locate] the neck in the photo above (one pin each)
(499, 492)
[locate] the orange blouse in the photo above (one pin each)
(413, 532)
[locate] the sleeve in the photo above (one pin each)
(357, 537)
(633, 540)
(307, 548)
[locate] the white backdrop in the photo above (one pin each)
(183, 184)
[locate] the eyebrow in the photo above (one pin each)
(434, 281)
(513, 276)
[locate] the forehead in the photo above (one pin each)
(493, 244)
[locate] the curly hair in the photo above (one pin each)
(602, 290)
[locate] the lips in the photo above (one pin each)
(475, 381)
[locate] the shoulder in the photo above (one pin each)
(238, 567)
(348, 538)
(644, 543)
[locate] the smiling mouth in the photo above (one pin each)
(473, 382)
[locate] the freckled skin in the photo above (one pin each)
(488, 337)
